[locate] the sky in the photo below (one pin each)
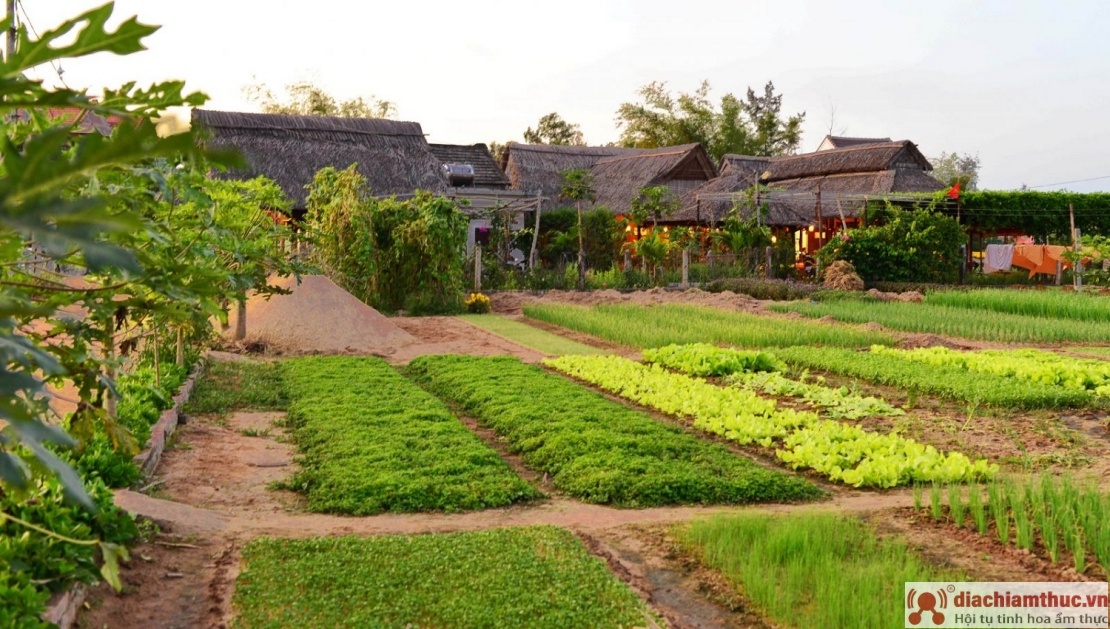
(1023, 84)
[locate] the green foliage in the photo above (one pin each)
(596, 450)
(655, 203)
(1053, 304)
(307, 99)
(392, 253)
(753, 126)
(552, 129)
(839, 403)
(703, 359)
(761, 288)
(812, 569)
(842, 452)
(239, 385)
(946, 382)
(953, 167)
(910, 246)
(1040, 214)
(33, 564)
(984, 325)
(538, 577)
(371, 442)
(656, 326)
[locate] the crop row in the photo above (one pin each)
(1047, 368)
(984, 325)
(1054, 304)
(595, 449)
(841, 452)
(1034, 514)
(759, 372)
(656, 326)
(371, 441)
(943, 381)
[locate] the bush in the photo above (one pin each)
(477, 303)
(760, 288)
(912, 246)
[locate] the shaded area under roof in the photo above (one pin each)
(392, 155)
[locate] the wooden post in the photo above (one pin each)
(109, 353)
(711, 259)
(1059, 272)
(533, 255)
(241, 319)
(685, 268)
(769, 271)
(1078, 263)
(477, 268)
(157, 359)
(627, 259)
(963, 264)
(180, 347)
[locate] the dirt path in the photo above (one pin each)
(449, 335)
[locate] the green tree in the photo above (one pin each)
(753, 126)
(952, 167)
(654, 202)
(307, 99)
(578, 186)
(552, 129)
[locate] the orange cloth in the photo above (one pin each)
(1051, 257)
(1039, 258)
(1028, 257)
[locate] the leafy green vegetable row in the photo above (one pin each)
(758, 371)
(943, 381)
(656, 326)
(594, 449)
(372, 441)
(518, 577)
(961, 322)
(1032, 365)
(704, 359)
(843, 453)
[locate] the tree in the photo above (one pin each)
(952, 167)
(552, 129)
(578, 186)
(753, 126)
(654, 202)
(307, 99)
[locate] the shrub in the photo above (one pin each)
(477, 303)
(759, 288)
(912, 246)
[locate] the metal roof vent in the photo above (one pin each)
(459, 175)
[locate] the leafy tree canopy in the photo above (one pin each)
(753, 126)
(552, 129)
(949, 168)
(307, 99)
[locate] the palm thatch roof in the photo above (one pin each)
(837, 179)
(487, 173)
(392, 155)
(619, 179)
(843, 142)
(536, 168)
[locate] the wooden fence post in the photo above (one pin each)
(477, 268)
(685, 268)
(770, 270)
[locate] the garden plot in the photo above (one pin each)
(594, 449)
(371, 441)
(517, 577)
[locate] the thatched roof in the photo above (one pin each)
(487, 173)
(392, 155)
(618, 179)
(536, 168)
(843, 142)
(856, 159)
(841, 175)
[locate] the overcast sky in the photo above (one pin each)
(1023, 84)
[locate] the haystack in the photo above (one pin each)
(841, 275)
(319, 317)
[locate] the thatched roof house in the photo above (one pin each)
(487, 172)
(619, 173)
(842, 142)
(392, 155)
(838, 179)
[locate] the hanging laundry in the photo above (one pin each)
(998, 258)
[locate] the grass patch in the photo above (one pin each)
(811, 569)
(595, 449)
(986, 325)
(539, 340)
(372, 441)
(1051, 303)
(518, 577)
(656, 326)
(239, 385)
(948, 382)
